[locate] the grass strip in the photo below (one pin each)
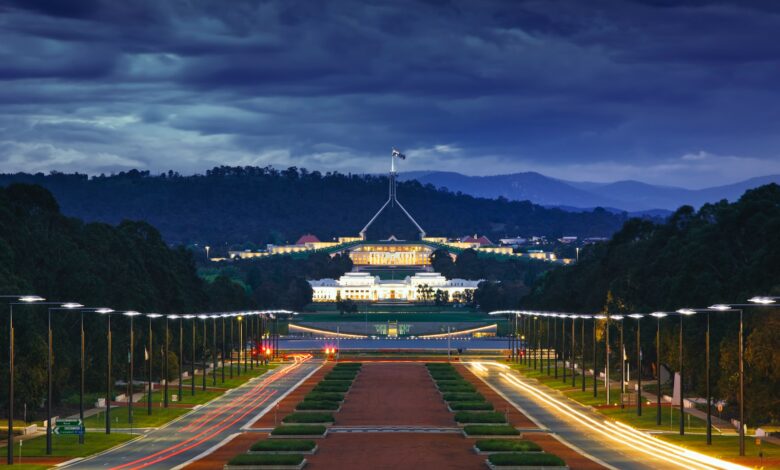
(472, 397)
(506, 445)
(283, 445)
(526, 459)
(317, 405)
(266, 459)
(480, 417)
(490, 430)
(308, 418)
(324, 396)
(471, 406)
(298, 430)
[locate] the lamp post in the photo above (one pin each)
(563, 343)
(223, 347)
(682, 312)
(606, 355)
(759, 301)
(16, 300)
(203, 354)
(582, 350)
(658, 316)
(181, 362)
(622, 353)
(214, 349)
(82, 361)
(107, 312)
(595, 363)
(132, 314)
(573, 354)
(192, 355)
(555, 342)
(547, 349)
(165, 364)
(65, 306)
(638, 317)
(150, 357)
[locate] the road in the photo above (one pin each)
(204, 428)
(605, 441)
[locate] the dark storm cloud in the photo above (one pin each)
(667, 91)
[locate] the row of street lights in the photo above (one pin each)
(532, 327)
(264, 329)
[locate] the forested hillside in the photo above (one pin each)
(722, 253)
(125, 267)
(261, 205)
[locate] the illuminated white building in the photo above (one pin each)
(364, 286)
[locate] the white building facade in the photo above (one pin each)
(362, 286)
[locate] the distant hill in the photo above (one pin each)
(250, 205)
(631, 196)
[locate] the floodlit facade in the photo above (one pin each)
(391, 254)
(362, 286)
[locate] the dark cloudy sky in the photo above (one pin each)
(663, 91)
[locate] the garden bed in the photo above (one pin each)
(318, 405)
(324, 419)
(491, 446)
(490, 430)
(526, 461)
(470, 406)
(312, 431)
(480, 417)
(460, 396)
(266, 462)
(324, 396)
(284, 446)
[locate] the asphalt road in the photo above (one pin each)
(203, 428)
(579, 426)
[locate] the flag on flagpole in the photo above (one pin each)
(146, 354)
(397, 153)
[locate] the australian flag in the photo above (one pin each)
(397, 153)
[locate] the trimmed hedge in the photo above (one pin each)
(348, 366)
(324, 396)
(341, 376)
(308, 418)
(506, 445)
(298, 429)
(324, 387)
(479, 417)
(471, 406)
(317, 405)
(521, 458)
(476, 396)
(266, 459)
(457, 389)
(490, 430)
(283, 445)
(335, 382)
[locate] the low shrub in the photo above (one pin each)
(506, 445)
(348, 366)
(457, 388)
(520, 459)
(490, 430)
(341, 376)
(325, 387)
(283, 445)
(479, 417)
(308, 418)
(439, 365)
(266, 459)
(464, 397)
(471, 406)
(324, 396)
(317, 405)
(298, 430)
(336, 382)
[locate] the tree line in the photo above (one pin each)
(722, 253)
(248, 207)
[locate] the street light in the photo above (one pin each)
(658, 316)
(582, 350)
(107, 312)
(638, 317)
(150, 355)
(192, 359)
(20, 300)
(181, 351)
(214, 349)
(132, 314)
(101, 310)
(65, 306)
(682, 312)
(203, 385)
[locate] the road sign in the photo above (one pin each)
(59, 430)
(68, 422)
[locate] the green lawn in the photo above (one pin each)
(186, 398)
(24, 466)
(141, 419)
(722, 446)
(409, 317)
(626, 415)
(68, 446)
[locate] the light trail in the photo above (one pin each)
(243, 406)
(622, 433)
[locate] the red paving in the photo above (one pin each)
(548, 443)
(391, 451)
(394, 394)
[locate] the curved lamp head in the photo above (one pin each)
(153, 315)
(720, 307)
(762, 300)
(188, 317)
(131, 313)
(686, 311)
(636, 316)
(173, 316)
(104, 310)
(71, 305)
(31, 298)
(658, 314)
